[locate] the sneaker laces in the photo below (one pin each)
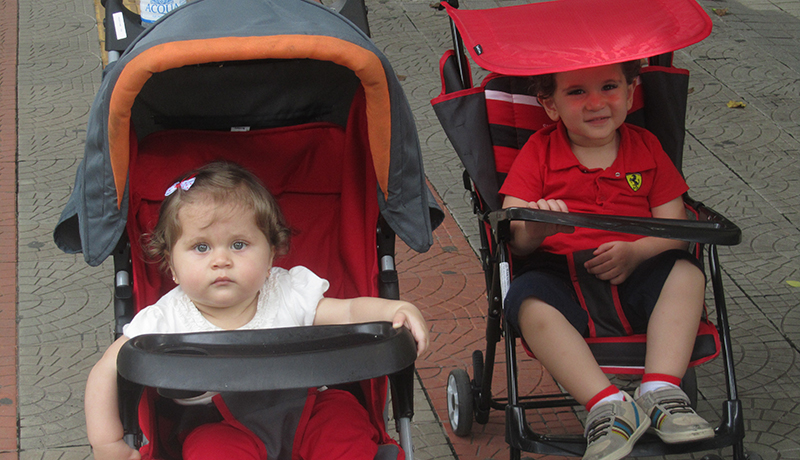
(676, 406)
(597, 429)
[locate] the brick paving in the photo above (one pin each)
(447, 283)
(54, 310)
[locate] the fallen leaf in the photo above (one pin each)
(736, 104)
(793, 283)
(691, 90)
(401, 77)
(720, 11)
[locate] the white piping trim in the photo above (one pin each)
(523, 99)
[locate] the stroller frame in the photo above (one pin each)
(730, 432)
(471, 398)
(162, 98)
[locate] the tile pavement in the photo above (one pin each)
(741, 162)
(8, 235)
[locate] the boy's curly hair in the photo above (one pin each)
(219, 182)
(544, 86)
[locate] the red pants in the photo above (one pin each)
(338, 428)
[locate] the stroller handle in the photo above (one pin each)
(267, 359)
(715, 229)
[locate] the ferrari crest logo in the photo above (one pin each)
(634, 180)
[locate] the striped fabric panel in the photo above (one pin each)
(514, 114)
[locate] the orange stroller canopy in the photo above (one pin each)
(563, 35)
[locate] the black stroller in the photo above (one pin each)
(300, 96)
(487, 126)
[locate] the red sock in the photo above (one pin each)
(652, 382)
(610, 390)
(652, 377)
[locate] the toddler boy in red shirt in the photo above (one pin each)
(591, 161)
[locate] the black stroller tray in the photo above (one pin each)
(255, 360)
(715, 230)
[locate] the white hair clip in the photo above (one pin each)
(185, 185)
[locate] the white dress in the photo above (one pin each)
(288, 298)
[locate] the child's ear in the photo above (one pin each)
(549, 107)
(271, 256)
(631, 90)
(172, 272)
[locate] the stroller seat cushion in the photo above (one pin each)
(312, 170)
(279, 157)
(594, 307)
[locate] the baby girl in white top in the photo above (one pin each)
(217, 234)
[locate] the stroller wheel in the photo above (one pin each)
(459, 402)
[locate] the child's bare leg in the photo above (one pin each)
(614, 422)
(670, 338)
(561, 350)
(672, 328)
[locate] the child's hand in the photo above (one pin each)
(365, 309)
(543, 230)
(409, 316)
(118, 450)
(613, 262)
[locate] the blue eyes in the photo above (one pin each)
(204, 247)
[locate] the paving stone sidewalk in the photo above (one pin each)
(742, 162)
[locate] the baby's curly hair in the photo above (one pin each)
(219, 182)
(544, 86)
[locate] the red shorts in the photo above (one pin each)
(338, 427)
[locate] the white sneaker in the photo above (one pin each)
(672, 417)
(612, 428)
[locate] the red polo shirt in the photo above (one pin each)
(641, 178)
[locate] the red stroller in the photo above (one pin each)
(487, 126)
(301, 97)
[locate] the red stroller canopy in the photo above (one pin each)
(563, 35)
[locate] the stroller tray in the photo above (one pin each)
(271, 359)
(720, 231)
